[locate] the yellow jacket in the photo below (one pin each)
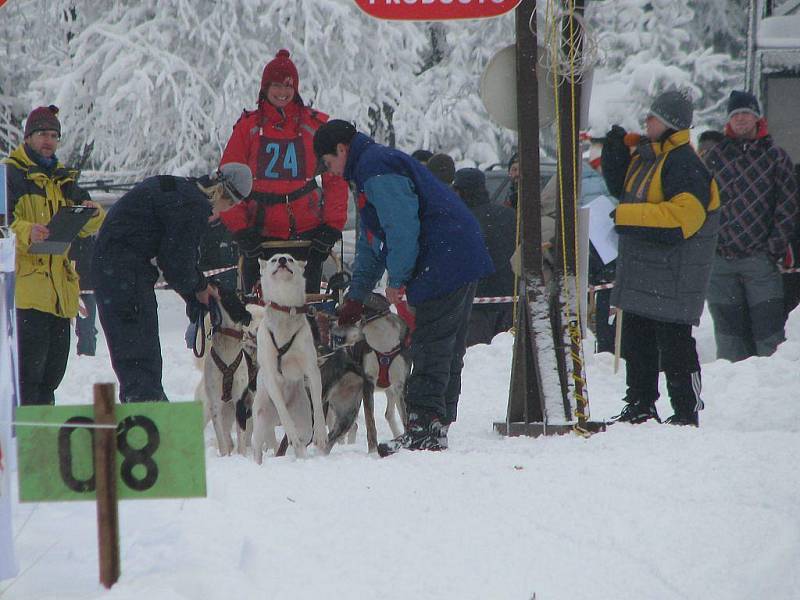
(45, 282)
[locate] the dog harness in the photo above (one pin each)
(227, 371)
(282, 349)
(385, 360)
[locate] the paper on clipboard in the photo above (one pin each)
(601, 228)
(64, 227)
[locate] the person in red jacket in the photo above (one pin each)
(287, 203)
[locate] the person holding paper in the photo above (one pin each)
(46, 284)
(667, 220)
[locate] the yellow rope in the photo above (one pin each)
(574, 325)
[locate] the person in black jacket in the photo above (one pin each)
(163, 218)
(497, 226)
(81, 251)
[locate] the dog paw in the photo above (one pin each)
(320, 438)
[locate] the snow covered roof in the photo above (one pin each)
(779, 32)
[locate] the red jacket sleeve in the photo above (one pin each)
(237, 148)
(336, 194)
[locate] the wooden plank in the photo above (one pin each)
(537, 429)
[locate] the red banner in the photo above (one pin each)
(435, 10)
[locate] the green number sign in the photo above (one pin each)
(160, 452)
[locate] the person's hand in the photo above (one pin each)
(350, 312)
(39, 232)
(395, 295)
(90, 204)
(209, 292)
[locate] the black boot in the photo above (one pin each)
(423, 432)
(684, 418)
(637, 411)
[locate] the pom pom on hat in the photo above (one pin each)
(280, 69)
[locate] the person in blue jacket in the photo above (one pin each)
(420, 232)
(163, 218)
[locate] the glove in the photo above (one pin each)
(616, 134)
(324, 238)
(248, 240)
(350, 312)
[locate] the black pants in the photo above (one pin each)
(438, 345)
(85, 329)
(126, 303)
(43, 340)
(487, 320)
(646, 344)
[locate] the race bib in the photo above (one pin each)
(281, 159)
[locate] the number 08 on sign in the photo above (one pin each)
(160, 452)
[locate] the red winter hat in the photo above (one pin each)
(42, 118)
(280, 70)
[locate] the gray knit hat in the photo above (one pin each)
(674, 109)
(236, 178)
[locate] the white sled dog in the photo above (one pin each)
(225, 369)
(287, 362)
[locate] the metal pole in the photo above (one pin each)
(105, 468)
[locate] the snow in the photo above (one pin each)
(647, 511)
(779, 32)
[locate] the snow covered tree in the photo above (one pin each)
(654, 45)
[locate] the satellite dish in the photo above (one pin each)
(499, 89)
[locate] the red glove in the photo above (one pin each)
(350, 312)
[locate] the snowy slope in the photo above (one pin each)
(639, 512)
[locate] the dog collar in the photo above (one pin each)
(292, 310)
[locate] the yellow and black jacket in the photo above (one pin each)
(667, 220)
(44, 282)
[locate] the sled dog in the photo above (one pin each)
(225, 371)
(378, 341)
(287, 363)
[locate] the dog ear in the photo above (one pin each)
(262, 263)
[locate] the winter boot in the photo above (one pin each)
(636, 412)
(423, 432)
(684, 418)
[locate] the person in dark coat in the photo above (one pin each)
(163, 218)
(497, 226)
(415, 228)
(81, 251)
(757, 226)
(667, 220)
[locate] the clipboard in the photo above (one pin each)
(64, 226)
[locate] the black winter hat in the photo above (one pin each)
(674, 109)
(421, 155)
(741, 101)
(469, 179)
(443, 167)
(330, 134)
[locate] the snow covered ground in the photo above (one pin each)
(639, 512)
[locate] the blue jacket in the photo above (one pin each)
(412, 225)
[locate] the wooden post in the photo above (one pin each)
(105, 468)
(525, 395)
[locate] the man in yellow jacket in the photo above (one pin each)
(46, 284)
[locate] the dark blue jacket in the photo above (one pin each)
(412, 225)
(164, 218)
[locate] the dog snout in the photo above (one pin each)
(282, 261)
